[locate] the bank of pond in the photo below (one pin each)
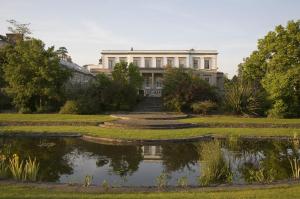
(204, 163)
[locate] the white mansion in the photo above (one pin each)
(153, 62)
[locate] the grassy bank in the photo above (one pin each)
(284, 192)
(151, 134)
(53, 118)
(217, 119)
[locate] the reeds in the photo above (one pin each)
(21, 171)
(3, 166)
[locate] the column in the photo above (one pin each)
(152, 82)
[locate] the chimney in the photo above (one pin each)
(131, 49)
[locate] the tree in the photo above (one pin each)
(62, 53)
(274, 66)
(19, 27)
(127, 81)
(183, 87)
(33, 75)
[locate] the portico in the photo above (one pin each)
(153, 81)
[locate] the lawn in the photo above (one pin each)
(235, 119)
(283, 192)
(151, 134)
(53, 118)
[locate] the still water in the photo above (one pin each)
(237, 161)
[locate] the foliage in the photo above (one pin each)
(3, 166)
(105, 185)
(62, 53)
(204, 107)
(183, 87)
(126, 81)
(162, 180)
(105, 94)
(18, 27)
(88, 180)
(242, 97)
(294, 159)
(16, 167)
(31, 170)
(33, 75)
(258, 173)
(182, 182)
(275, 67)
(214, 168)
(70, 107)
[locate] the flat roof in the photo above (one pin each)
(192, 51)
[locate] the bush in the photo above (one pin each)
(182, 87)
(203, 107)
(70, 107)
(244, 98)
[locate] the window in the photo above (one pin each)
(147, 81)
(137, 61)
(182, 62)
(148, 62)
(158, 62)
(158, 150)
(196, 63)
(158, 83)
(147, 150)
(170, 61)
(111, 62)
(206, 64)
(123, 59)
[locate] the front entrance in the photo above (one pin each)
(152, 84)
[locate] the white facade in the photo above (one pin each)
(153, 62)
(188, 57)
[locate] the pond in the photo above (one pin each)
(237, 161)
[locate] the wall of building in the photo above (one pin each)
(189, 59)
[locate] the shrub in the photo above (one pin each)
(182, 87)
(204, 107)
(245, 98)
(214, 168)
(70, 107)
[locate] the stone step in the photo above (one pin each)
(147, 124)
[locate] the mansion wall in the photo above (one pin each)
(153, 62)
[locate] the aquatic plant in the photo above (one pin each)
(182, 182)
(88, 180)
(214, 169)
(105, 185)
(295, 166)
(31, 169)
(162, 180)
(16, 167)
(261, 175)
(3, 166)
(293, 158)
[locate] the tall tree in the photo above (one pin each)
(33, 75)
(127, 80)
(275, 66)
(19, 28)
(62, 53)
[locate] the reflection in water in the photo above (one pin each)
(242, 161)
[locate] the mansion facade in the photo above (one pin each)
(152, 64)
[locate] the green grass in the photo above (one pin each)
(283, 192)
(53, 118)
(151, 134)
(239, 120)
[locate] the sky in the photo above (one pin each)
(86, 27)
